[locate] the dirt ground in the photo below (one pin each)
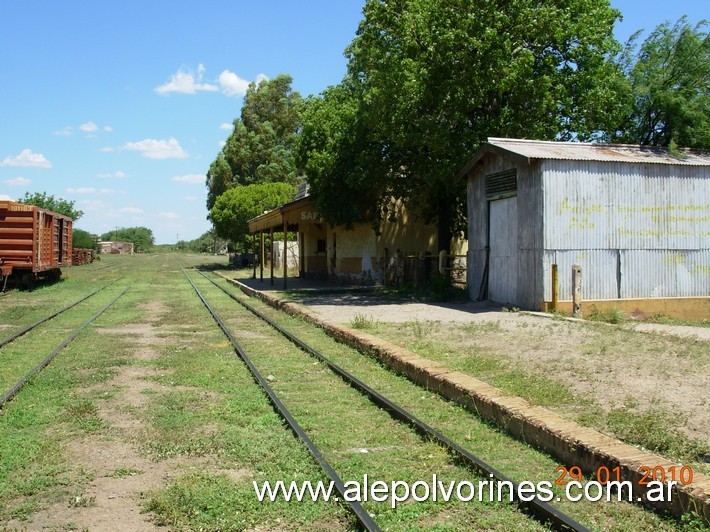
(340, 308)
(656, 365)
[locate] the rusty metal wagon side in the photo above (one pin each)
(34, 242)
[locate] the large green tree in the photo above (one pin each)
(141, 237)
(238, 205)
(83, 239)
(260, 147)
(334, 154)
(51, 203)
(669, 78)
(219, 179)
(434, 78)
(207, 242)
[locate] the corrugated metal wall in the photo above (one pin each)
(637, 230)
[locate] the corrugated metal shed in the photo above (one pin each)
(635, 218)
(581, 151)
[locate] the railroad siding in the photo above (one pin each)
(570, 442)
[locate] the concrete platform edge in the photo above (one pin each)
(568, 441)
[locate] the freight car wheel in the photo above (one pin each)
(28, 280)
(54, 275)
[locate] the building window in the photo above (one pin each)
(320, 245)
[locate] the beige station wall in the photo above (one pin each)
(359, 252)
(315, 262)
(351, 251)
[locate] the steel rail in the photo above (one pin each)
(16, 335)
(357, 509)
(39, 367)
(541, 510)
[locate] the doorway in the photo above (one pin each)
(503, 265)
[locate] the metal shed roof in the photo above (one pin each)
(582, 151)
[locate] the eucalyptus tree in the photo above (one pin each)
(260, 147)
(669, 78)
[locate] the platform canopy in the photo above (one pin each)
(298, 212)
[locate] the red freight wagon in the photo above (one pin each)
(34, 242)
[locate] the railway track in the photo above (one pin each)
(9, 394)
(39, 322)
(540, 510)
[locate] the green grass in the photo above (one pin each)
(458, 348)
(201, 415)
(342, 422)
(657, 430)
(613, 316)
(515, 459)
(362, 321)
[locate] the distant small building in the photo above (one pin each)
(635, 218)
(116, 248)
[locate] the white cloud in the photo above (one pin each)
(158, 149)
(129, 210)
(4, 197)
(222, 143)
(66, 132)
(115, 175)
(86, 127)
(192, 179)
(232, 85)
(185, 81)
(27, 159)
(168, 215)
(226, 126)
(91, 205)
(90, 190)
(192, 198)
(17, 182)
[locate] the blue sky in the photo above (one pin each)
(121, 106)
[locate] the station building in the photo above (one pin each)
(635, 220)
(404, 251)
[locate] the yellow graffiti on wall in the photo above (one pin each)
(668, 220)
(565, 207)
(675, 258)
